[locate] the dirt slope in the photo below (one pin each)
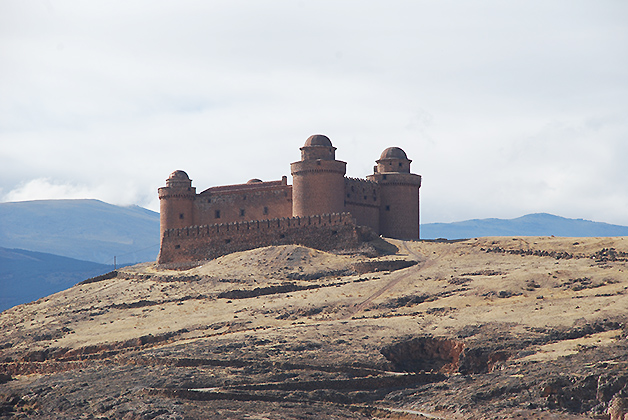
(526, 327)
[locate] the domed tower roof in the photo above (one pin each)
(178, 179)
(179, 175)
(393, 153)
(254, 181)
(317, 140)
(318, 147)
(393, 159)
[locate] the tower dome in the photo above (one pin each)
(319, 147)
(393, 159)
(393, 153)
(317, 140)
(178, 179)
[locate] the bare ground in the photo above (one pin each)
(525, 327)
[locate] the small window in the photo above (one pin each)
(383, 176)
(209, 200)
(348, 195)
(244, 197)
(399, 163)
(387, 208)
(217, 214)
(242, 212)
(265, 210)
(227, 241)
(177, 246)
(352, 189)
(318, 162)
(365, 197)
(181, 216)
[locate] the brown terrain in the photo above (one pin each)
(487, 328)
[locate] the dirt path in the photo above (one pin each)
(391, 284)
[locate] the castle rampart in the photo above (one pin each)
(197, 243)
(322, 209)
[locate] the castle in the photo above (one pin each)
(322, 209)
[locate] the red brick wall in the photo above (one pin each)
(238, 205)
(399, 209)
(362, 200)
(318, 187)
(197, 243)
(176, 208)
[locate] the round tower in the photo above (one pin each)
(399, 195)
(318, 179)
(176, 202)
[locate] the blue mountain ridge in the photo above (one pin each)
(26, 275)
(537, 224)
(88, 230)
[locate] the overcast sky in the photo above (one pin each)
(505, 107)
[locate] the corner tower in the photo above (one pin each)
(318, 184)
(176, 202)
(399, 195)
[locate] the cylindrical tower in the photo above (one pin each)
(176, 202)
(318, 179)
(399, 195)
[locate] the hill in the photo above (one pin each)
(88, 230)
(505, 328)
(538, 224)
(26, 276)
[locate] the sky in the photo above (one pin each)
(505, 107)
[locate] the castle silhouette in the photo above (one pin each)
(323, 208)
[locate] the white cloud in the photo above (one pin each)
(46, 189)
(504, 107)
(50, 189)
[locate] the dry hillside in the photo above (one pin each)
(525, 327)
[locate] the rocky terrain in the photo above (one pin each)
(487, 328)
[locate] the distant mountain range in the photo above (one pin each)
(89, 230)
(26, 276)
(49, 245)
(537, 224)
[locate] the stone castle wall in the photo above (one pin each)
(362, 200)
(197, 243)
(317, 187)
(398, 217)
(263, 200)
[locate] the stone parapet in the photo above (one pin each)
(197, 243)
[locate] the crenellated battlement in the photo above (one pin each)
(360, 181)
(226, 229)
(324, 232)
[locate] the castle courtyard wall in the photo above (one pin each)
(197, 243)
(245, 202)
(362, 200)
